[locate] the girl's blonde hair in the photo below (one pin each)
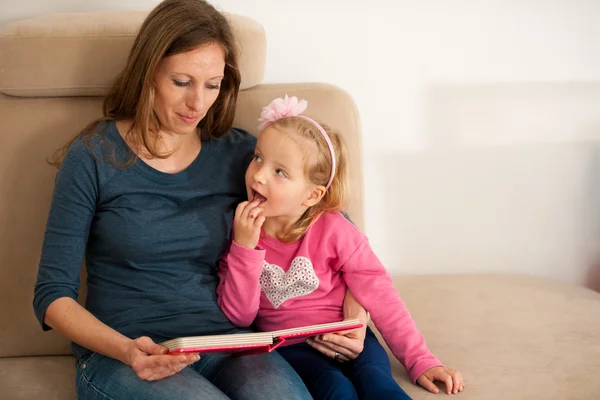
(317, 169)
(172, 27)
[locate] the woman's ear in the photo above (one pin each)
(314, 195)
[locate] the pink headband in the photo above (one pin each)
(292, 107)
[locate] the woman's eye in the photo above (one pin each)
(180, 83)
(214, 86)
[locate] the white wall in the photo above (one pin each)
(479, 120)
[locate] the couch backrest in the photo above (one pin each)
(53, 71)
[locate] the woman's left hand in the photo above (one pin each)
(342, 346)
(346, 345)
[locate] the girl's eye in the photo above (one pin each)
(257, 158)
(281, 173)
(180, 83)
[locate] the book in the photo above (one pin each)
(255, 342)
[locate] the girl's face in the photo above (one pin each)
(186, 86)
(276, 176)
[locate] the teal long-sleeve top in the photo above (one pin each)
(150, 240)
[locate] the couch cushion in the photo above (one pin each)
(513, 337)
(25, 192)
(80, 54)
(49, 378)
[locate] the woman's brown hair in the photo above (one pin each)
(318, 170)
(172, 27)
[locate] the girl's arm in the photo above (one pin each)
(239, 287)
(372, 285)
(239, 270)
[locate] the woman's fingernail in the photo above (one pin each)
(323, 338)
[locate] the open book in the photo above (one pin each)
(254, 343)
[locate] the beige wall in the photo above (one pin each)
(480, 121)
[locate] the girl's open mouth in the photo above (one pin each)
(258, 196)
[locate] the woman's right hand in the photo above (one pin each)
(148, 359)
(151, 362)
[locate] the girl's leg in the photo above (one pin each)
(322, 375)
(259, 377)
(372, 375)
(99, 378)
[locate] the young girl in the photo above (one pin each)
(294, 254)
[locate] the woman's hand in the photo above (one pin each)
(341, 346)
(347, 345)
(151, 362)
(247, 223)
(451, 377)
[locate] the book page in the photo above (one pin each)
(320, 328)
(242, 340)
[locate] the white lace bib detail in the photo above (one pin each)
(279, 286)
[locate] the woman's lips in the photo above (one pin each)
(189, 120)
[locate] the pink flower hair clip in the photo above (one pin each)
(281, 108)
(292, 107)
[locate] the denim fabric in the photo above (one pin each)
(260, 377)
(369, 376)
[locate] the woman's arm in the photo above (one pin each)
(353, 309)
(148, 359)
(76, 323)
(69, 221)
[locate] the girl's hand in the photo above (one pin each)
(451, 377)
(247, 223)
(150, 361)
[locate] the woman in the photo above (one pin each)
(147, 194)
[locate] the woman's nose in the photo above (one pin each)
(195, 100)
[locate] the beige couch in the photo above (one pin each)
(514, 337)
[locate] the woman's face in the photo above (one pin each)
(186, 86)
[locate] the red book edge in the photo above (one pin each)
(250, 349)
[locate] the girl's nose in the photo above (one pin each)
(259, 176)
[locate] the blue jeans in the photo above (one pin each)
(260, 377)
(369, 376)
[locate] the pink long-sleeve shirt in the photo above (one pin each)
(285, 285)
